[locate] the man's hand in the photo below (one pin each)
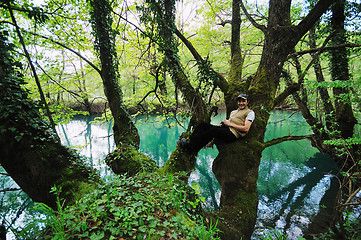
(242, 128)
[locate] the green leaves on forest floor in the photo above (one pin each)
(147, 206)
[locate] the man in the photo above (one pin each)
(230, 130)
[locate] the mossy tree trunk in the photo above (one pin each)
(30, 151)
(236, 166)
(124, 129)
(340, 72)
(179, 160)
(126, 158)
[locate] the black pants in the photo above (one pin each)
(204, 133)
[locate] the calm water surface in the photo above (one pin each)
(293, 176)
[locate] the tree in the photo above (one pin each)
(124, 129)
(30, 151)
(126, 158)
(333, 129)
(237, 173)
(340, 72)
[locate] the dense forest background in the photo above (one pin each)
(183, 60)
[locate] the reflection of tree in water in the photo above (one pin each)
(299, 190)
(207, 184)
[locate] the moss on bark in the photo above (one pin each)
(236, 169)
(179, 161)
(129, 160)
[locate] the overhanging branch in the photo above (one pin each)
(221, 82)
(284, 139)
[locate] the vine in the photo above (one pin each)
(14, 103)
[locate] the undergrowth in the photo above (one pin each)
(146, 206)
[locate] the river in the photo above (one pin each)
(293, 176)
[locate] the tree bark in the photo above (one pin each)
(124, 129)
(179, 159)
(340, 72)
(126, 158)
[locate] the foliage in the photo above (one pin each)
(147, 206)
(15, 103)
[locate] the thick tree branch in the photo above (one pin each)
(250, 18)
(293, 87)
(284, 139)
(313, 16)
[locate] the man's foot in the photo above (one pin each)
(183, 143)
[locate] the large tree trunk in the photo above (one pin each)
(124, 129)
(126, 158)
(30, 151)
(236, 167)
(340, 72)
(179, 160)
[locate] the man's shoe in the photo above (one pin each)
(183, 143)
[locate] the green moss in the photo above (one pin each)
(236, 169)
(129, 160)
(179, 160)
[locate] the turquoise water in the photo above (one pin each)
(293, 176)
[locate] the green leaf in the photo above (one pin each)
(97, 236)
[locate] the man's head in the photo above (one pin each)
(242, 100)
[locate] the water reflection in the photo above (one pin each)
(294, 178)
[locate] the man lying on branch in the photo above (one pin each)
(230, 130)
